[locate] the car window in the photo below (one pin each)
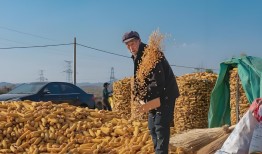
(52, 89)
(27, 88)
(68, 89)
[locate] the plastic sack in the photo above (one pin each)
(239, 140)
(256, 141)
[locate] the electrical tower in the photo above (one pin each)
(41, 76)
(112, 76)
(68, 72)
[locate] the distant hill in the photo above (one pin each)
(6, 87)
(83, 84)
(6, 84)
(94, 88)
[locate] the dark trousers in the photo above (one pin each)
(159, 126)
(106, 105)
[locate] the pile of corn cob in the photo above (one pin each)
(43, 127)
(191, 109)
(122, 97)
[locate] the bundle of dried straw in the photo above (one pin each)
(213, 146)
(194, 139)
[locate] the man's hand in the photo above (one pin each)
(142, 102)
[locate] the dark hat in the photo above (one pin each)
(106, 83)
(128, 36)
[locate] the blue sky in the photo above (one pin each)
(200, 33)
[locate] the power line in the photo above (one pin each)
(192, 67)
(34, 35)
(103, 51)
(36, 46)
(76, 44)
(130, 57)
(60, 51)
(12, 41)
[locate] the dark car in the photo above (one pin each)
(57, 92)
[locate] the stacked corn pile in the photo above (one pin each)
(135, 115)
(122, 97)
(191, 109)
(235, 85)
(31, 127)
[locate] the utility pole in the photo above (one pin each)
(68, 71)
(74, 61)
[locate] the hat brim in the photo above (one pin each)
(128, 40)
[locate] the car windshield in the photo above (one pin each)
(27, 88)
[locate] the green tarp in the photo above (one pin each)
(249, 71)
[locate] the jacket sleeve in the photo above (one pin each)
(105, 93)
(156, 82)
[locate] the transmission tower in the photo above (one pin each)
(41, 76)
(68, 72)
(112, 76)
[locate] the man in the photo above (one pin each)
(161, 84)
(106, 103)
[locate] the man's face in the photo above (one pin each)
(133, 46)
